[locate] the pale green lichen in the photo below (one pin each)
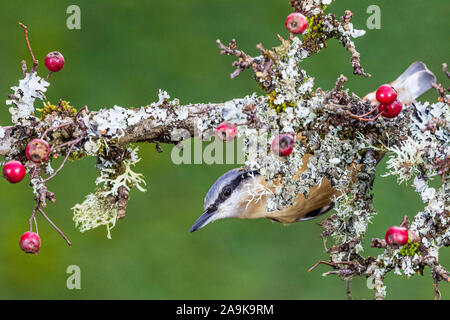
(95, 211)
(101, 207)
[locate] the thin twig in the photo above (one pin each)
(33, 217)
(35, 224)
(65, 160)
(55, 128)
(437, 292)
(370, 112)
(61, 145)
(331, 264)
(48, 76)
(349, 291)
(54, 226)
(364, 119)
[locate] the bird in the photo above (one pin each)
(228, 197)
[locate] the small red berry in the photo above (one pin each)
(30, 242)
(386, 94)
(54, 61)
(296, 23)
(391, 110)
(37, 150)
(226, 131)
(14, 171)
(396, 236)
(283, 144)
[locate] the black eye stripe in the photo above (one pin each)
(227, 190)
(234, 183)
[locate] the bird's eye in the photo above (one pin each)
(227, 192)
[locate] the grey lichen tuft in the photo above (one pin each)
(30, 88)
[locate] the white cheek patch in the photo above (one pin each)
(231, 208)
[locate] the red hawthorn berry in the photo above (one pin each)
(283, 144)
(37, 150)
(226, 131)
(30, 242)
(54, 61)
(391, 110)
(386, 94)
(14, 171)
(396, 236)
(296, 23)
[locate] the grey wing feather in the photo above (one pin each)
(413, 68)
(415, 81)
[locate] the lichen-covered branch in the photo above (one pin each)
(335, 139)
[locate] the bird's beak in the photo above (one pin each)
(204, 219)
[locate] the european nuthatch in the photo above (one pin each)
(229, 196)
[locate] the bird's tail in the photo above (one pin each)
(411, 84)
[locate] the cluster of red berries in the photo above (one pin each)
(389, 106)
(37, 151)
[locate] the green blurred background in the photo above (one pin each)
(127, 50)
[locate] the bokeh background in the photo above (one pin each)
(127, 50)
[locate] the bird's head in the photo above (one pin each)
(227, 197)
